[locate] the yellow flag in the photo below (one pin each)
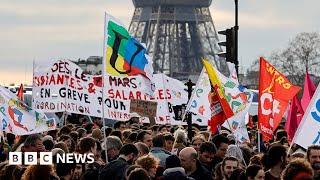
(213, 76)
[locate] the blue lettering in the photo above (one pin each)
(315, 114)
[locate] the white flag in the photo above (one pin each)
(18, 118)
(308, 132)
(238, 97)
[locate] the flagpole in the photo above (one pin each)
(166, 97)
(65, 98)
(103, 84)
(259, 141)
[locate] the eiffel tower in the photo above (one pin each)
(177, 34)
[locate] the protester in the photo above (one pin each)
(217, 173)
(254, 172)
(116, 169)
(174, 171)
(119, 126)
(145, 137)
(221, 143)
(113, 146)
(65, 171)
(313, 156)
(191, 164)
(158, 149)
(142, 148)
(180, 141)
(275, 160)
(169, 140)
(235, 151)
(130, 169)
(163, 129)
(138, 173)
(228, 165)
(298, 169)
(43, 172)
(33, 143)
(197, 141)
(206, 154)
(149, 163)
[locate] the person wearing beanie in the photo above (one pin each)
(174, 171)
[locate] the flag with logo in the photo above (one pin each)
(238, 97)
(220, 109)
(275, 91)
(308, 132)
(123, 54)
(18, 118)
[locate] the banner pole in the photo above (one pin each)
(103, 84)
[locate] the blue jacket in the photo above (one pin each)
(161, 154)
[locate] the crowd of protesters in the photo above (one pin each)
(135, 151)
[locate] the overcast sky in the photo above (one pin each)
(44, 30)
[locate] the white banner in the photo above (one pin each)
(18, 118)
(308, 132)
(65, 87)
(175, 95)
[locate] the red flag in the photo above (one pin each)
(308, 91)
(275, 91)
(220, 109)
(294, 117)
(20, 92)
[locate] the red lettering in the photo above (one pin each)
(118, 95)
(160, 93)
(138, 95)
(71, 84)
(124, 96)
(60, 79)
(131, 96)
(168, 94)
(111, 94)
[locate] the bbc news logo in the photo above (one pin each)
(46, 158)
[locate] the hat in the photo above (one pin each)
(172, 161)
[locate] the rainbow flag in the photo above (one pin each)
(124, 55)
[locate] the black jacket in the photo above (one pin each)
(177, 173)
(201, 173)
(115, 170)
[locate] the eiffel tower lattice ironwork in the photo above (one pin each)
(177, 34)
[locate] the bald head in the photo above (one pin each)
(188, 152)
(188, 158)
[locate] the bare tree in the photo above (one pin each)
(301, 55)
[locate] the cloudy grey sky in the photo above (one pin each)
(44, 30)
